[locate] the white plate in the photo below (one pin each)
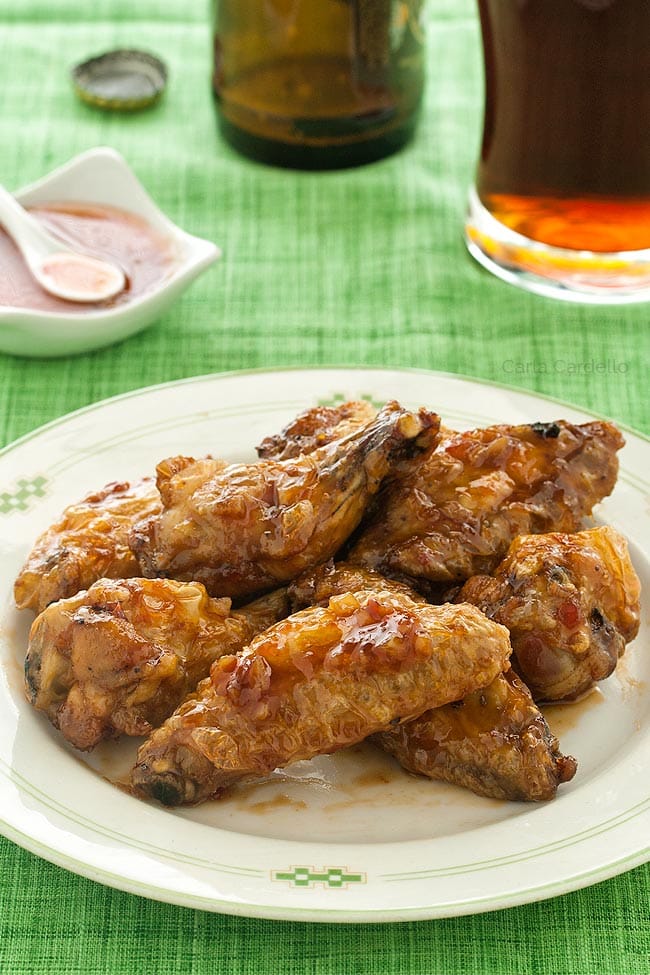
(349, 837)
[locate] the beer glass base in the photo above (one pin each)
(569, 275)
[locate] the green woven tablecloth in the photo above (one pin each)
(358, 267)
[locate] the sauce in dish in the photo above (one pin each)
(104, 232)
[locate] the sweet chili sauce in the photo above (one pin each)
(105, 232)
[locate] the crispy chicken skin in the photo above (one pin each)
(316, 586)
(315, 428)
(570, 602)
(495, 742)
(322, 679)
(456, 515)
(120, 657)
(253, 527)
(88, 542)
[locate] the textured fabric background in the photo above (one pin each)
(359, 267)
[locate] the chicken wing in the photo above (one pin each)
(317, 586)
(252, 527)
(457, 514)
(316, 428)
(495, 742)
(320, 425)
(88, 542)
(120, 657)
(570, 602)
(322, 679)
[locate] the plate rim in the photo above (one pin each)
(204, 377)
(325, 915)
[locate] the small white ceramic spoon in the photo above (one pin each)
(63, 273)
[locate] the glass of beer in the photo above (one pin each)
(561, 202)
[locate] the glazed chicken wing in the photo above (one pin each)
(457, 514)
(570, 602)
(495, 742)
(322, 679)
(252, 527)
(320, 425)
(316, 428)
(88, 542)
(120, 657)
(317, 586)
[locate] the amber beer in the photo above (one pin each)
(317, 83)
(565, 158)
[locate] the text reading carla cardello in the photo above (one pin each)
(565, 367)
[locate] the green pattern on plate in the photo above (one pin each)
(21, 498)
(337, 399)
(332, 877)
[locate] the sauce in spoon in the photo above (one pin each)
(103, 232)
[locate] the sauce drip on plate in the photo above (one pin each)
(108, 233)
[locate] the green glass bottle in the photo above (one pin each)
(318, 83)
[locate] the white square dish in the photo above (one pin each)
(102, 177)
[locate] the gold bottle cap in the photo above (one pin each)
(122, 81)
